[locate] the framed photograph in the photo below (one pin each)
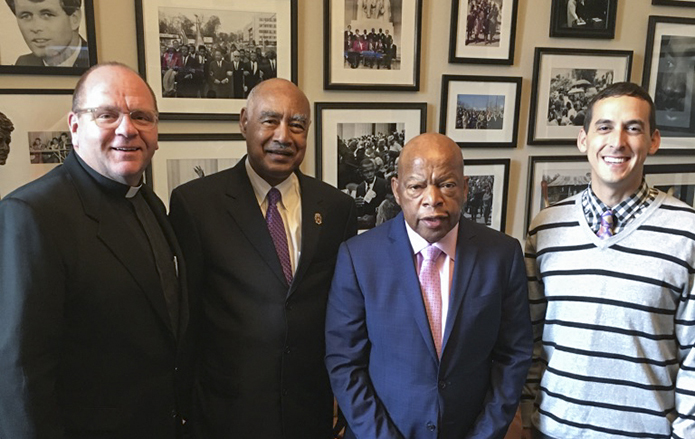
(561, 91)
(65, 44)
(488, 186)
(482, 32)
(552, 179)
(184, 157)
(202, 60)
(372, 44)
(583, 18)
(669, 77)
(357, 148)
(690, 3)
(34, 134)
(480, 111)
(676, 179)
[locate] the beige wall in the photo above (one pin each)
(115, 24)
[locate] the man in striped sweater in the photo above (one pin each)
(611, 283)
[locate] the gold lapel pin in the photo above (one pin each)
(318, 219)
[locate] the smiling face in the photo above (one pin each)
(45, 26)
(617, 144)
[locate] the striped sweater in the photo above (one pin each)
(614, 325)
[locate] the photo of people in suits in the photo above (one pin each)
(483, 22)
(372, 34)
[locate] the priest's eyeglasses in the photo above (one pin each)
(110, 118)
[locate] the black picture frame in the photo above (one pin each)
(506, 89)
(669, 80)
(676, 179)
(609, 66)
(499, 170)
(598, 23)
(684, 3)
(463, 51)
(149, 41)
(342, 66)
(12, 38)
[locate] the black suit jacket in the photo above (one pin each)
(86, 345)
(261, 372)
(32, 60)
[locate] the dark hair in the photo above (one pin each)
(622, 89)
(6, 127)
(79, 88)
(69, 6)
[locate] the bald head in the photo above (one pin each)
(431, 146)
(276, 86)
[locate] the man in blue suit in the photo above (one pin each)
(428, 347)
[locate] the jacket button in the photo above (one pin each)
(431, 426)
(174, 414)
(288, 307)
(442, 384)
(287, 350)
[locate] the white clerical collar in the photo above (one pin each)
(289, 187)
(133, 191)
(447, 244)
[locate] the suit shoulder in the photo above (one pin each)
(488, 236)
(45, 190)
(28, 60)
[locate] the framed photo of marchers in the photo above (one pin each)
(669, 77)
(202, 59)
(34, 134)
(48, 37)
(357, 149)
(583, 18)
(689, 3)
(488, 186)
(674, 179)
(480, 111)
(561, 91)
(185, 157)
(483, 31)
(552, 179)
(372, 44)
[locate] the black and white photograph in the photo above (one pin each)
(54, 37)
(483, 22)
(480, 112)
(482, 31)
(488, 181)
(571, 90)
(204, 61)
(49, 146)
(583, 18)
(677, 180)
(373, 30)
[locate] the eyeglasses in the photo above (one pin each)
(109, 118)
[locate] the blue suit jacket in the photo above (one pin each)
(380, 355)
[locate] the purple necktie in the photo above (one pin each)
(277, 231)
(431, 286)
(606, 229)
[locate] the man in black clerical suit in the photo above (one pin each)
(261, 296)
(93, 299)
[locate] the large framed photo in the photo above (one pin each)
(34, 134)
(552, 179)
(674, 179)
(60, 41)
(583, 18)
(483, 31)
(488, 186)
(357, 148)
(185, 157)
(690, 3)
(480, 111)
(561, 91)
(202, 59)
(372, 44)
(669, 76)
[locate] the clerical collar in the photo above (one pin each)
(109, 186)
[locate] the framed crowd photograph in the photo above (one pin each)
(483, 31)
(480, 111)
(203, 59)
(690, 3)
(552, 179)
(561, 91)
(488, 186)
(372, 44)
(36, 124)
(357, 149)
(674, 179)
(669, 77)
(583, 18)
(185, 157)
(65, 44)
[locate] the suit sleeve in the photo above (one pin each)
(511, 356)
(32, 293)
(347, 355)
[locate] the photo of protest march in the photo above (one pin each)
(478, 205)
(479, 112)
(49, 146)
(215, 54)
(483, 22)
(570, 92)
(372, 34)
(673, 95)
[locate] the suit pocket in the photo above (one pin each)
(78, 418)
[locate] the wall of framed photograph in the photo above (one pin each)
(580, 19)
(674, 179)
(488, 188)
(688, 3)
(480, 111)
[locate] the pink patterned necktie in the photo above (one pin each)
(277, 231)
(431, 286)
(605, 231)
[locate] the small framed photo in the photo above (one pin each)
(372, 44)
(689, 3)
(185, 157)
(203, 60)
(480, 111)
(482, 32)
(561, 91)
(34, 134)
(669, 77)
(357, 151)
(674, 179)
(488, 186)
(554, 178)
(64, 45)
(583, 18)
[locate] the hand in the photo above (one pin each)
(199, 171)
(359, 201)
(217, 81)
(225, 81)
(247, 73)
